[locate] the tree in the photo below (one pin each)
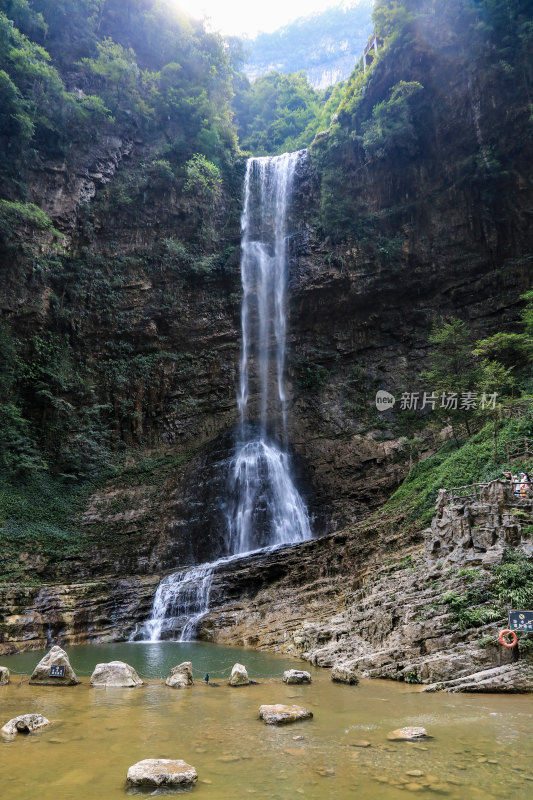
(514, 350)
(453, 370)
(277, 112)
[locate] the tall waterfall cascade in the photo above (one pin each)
(264, 509)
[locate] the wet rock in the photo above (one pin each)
(408, 734)
(296, 676)
(341, 674)
(239, 676)
(415, 773)
(414, 787)
(115, 674)
(360, 743)
(4, 676)
(156, 772)
(181, 676)
(25, 723)
(56, 657)
(279, 714)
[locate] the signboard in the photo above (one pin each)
(57, 671)
(521, 620)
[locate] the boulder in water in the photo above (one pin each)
(296, 676)
(408, 734)
(181, 676)
(155, 772)
(56, 660)
(280, 715)
(4, 676)
(25, 723)
(239, 676)
(341, 674)
(115, 673)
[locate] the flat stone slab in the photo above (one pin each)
(55, 659)
(408, 734)
(281, 715)
(296, 676)
(115, 674)
(154, 772)
(512, 678)
(25, 723)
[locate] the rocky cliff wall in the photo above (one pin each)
(147, 293)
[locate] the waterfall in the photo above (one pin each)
(264, 508)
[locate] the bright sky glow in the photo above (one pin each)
(240, 17)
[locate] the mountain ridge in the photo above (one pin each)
(317, 44)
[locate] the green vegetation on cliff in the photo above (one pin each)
(72, 71)
(281, 113)
(394, 115)
(460, 365)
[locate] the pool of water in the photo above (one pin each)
(156, 659)
(481, 746)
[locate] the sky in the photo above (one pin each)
(239, 17)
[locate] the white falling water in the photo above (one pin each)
(265, 510)
(180, 601)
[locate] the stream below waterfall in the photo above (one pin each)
(481, 746)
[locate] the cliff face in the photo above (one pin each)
(147, 293)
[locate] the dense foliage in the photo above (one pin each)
(71, 71)
(281, 113)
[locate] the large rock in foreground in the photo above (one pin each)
(280, 715)
(115, 673)
(181, 676)
(155, 772)
(56, 660)
(4, 676)
(239, 676)
(296, 676)
(25, 723)
(341, 674)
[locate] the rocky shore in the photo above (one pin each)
(351, 599)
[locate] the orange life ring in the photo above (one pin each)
(502, 640)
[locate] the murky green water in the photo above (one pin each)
(482, 746)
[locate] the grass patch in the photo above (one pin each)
(472, 462)
(488, 599)
(41, 516)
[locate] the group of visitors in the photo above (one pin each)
(521, 483)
